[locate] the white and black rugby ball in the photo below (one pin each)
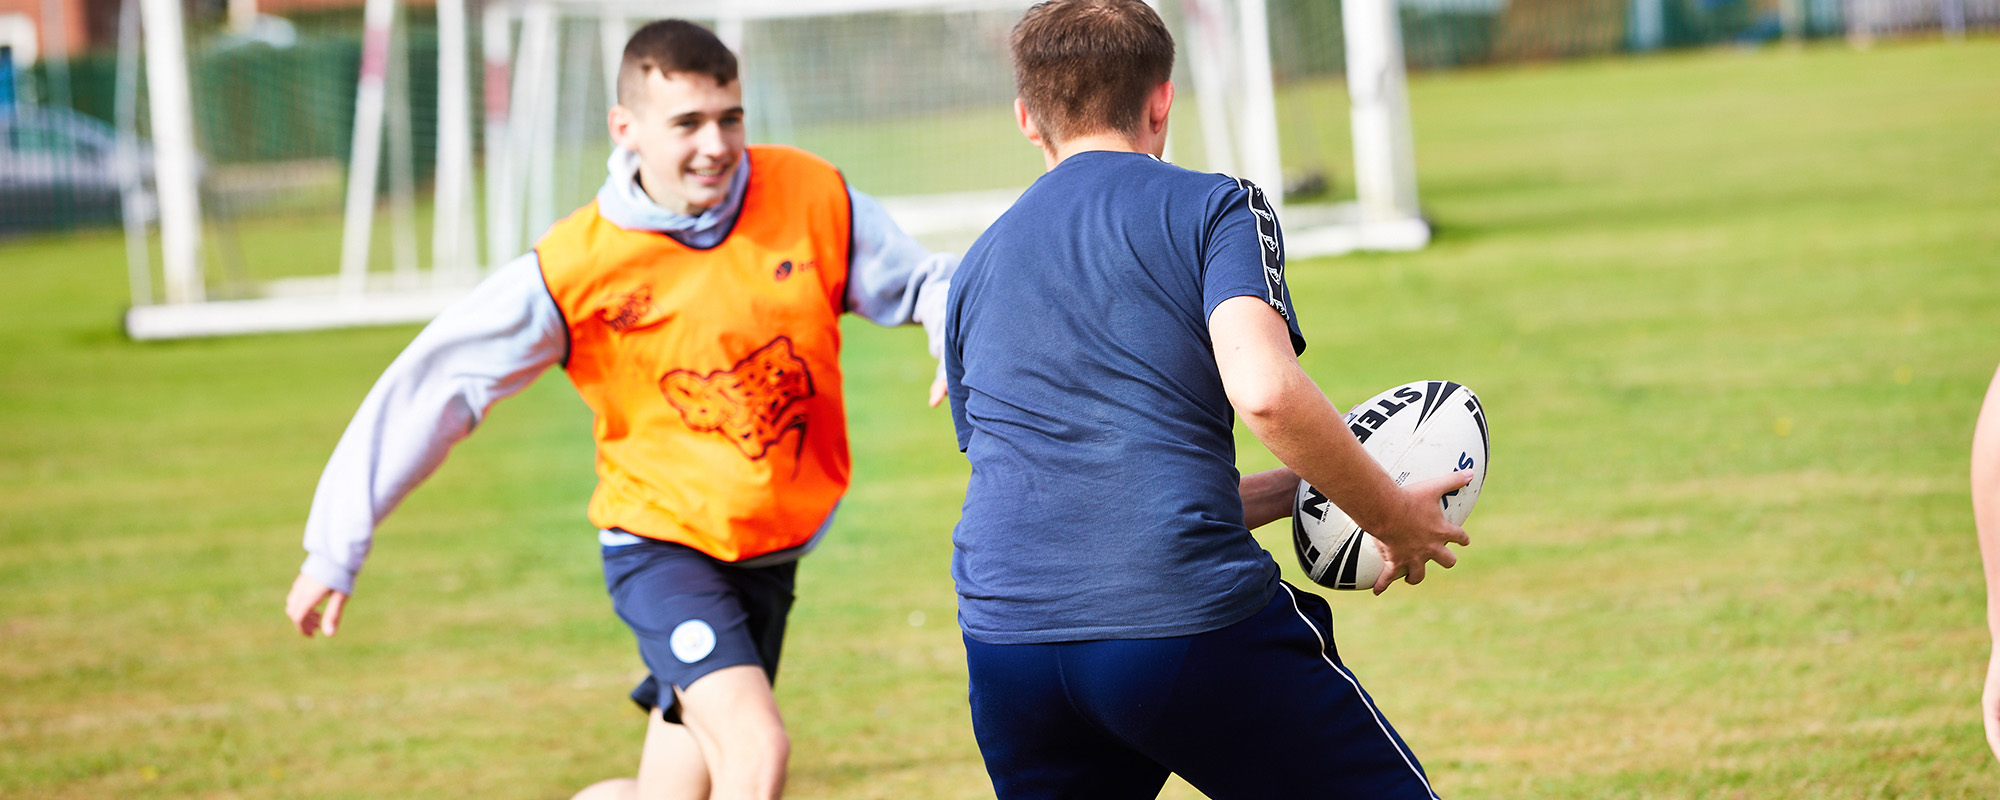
(1416, 431)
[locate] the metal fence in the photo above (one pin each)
(1440, 34)
(274, 123)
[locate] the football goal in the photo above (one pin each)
(910, 98)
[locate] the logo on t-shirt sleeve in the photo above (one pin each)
(1269, 246)
(751, 403)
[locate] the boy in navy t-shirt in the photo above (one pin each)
(1120, 622)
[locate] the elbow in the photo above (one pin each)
(1260, 402)
(1264, 384)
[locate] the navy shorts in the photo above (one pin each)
(695, 614)
(1259, 709)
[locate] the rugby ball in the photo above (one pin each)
(1416, 431)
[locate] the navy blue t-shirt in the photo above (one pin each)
(1103, 502)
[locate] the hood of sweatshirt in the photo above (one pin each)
(625, 204)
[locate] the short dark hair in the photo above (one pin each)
(1085, 66)
(669, 46)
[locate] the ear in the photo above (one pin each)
(622, 122)
(1027, 125)
(1158, 103)
(1151, 135)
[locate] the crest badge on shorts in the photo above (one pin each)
(692, 641)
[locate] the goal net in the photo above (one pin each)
(912, 99)
(504, 131)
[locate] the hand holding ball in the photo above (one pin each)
(1417, 431)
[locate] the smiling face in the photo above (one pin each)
(688, 132)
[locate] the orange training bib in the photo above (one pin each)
(714, 374)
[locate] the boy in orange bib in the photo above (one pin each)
(695, 305)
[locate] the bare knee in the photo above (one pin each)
(772, 741)
(733, 717)
(748, 745)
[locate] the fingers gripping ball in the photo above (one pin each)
(1417, 431)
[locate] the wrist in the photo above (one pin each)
(1386, 514)
(324, 570)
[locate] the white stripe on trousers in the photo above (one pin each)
(1365, 701)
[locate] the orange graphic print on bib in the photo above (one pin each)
(630, 310)
(748, 404)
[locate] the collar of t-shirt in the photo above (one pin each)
(626, 205)
(1090, 154)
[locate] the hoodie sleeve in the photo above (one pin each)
(487, 346)
(891, 279)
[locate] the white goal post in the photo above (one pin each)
(911, 98)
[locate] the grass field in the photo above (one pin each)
(1731, 314)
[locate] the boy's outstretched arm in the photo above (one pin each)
(487, 346)
(1289, 414)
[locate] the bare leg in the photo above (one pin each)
(609, 789)
(670, 768)
(734, 721)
